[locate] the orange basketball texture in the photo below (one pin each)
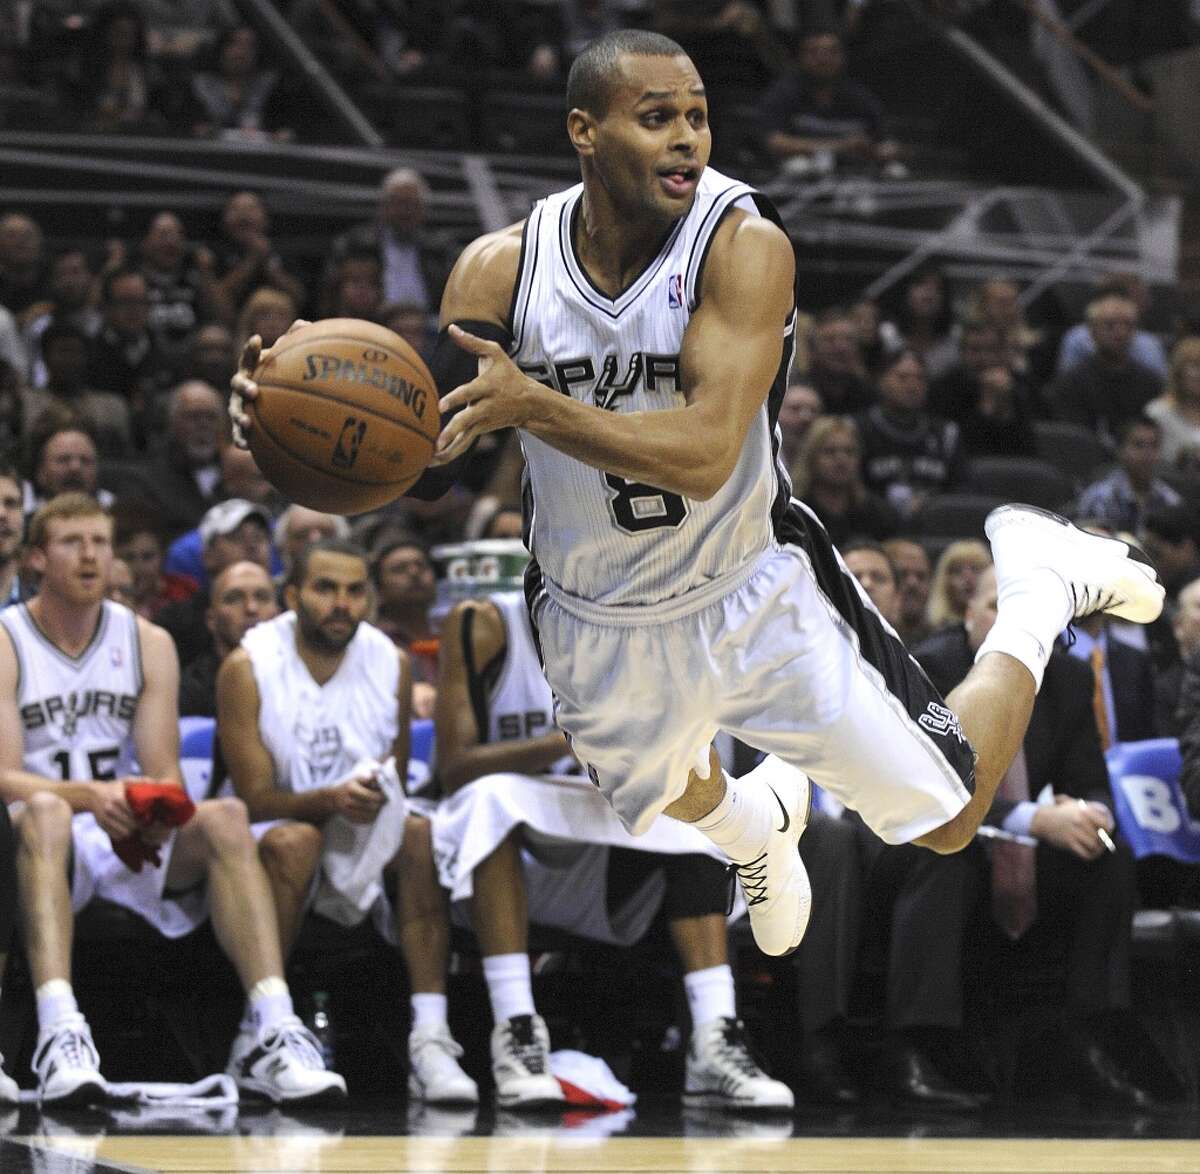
(346, 416)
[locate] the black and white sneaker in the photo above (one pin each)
(283, 1063)
(67, 1065)
(521, 1064)
(723, 1074)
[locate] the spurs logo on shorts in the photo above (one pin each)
(939, 720)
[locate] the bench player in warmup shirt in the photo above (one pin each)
(495, 717)
(637, 330)
(302, 705)
(86, 686)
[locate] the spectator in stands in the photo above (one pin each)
(246, 258)
(23, 278)
(406, 590)
(1109, 387)
(923, 321)
(495, 717)
(241, 477)
(820, 118)
(181, 286)
(213, 358)
(115, 87)
(139, 540)
(12, 530)
(414, 261)
(267, 312)
(1171, 539)
(1187, 721)
(998, 301)
(411, 323)
(1079, 344)
(356, 291)
(13, 349)
(232, 531)
(1177, 410)
(62, 458)
(72, 299)
(242, 595)
(362, 40)
(1121, 500)
(125, 357)
(868, 325)
(828, 479)
(908, 454)
(982, 394)
(12, 412)
(730, 41)
(1168, 684)
(65, 354)
(1069, 888)
(120, 583)
(298, 527)
(836, 368)
(869, 563)
(302, 705)
(913, 576)
(1123, 697)
(954, 581)
(185, 469)
(240, 99)
(798, 411)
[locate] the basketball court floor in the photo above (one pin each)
(380, 1136)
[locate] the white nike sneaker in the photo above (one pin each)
(434, 1075)
(521, 1064)
(283, 1063)
(1101, 574)
(775, 883)
(722, 1073)
(67, 1064)
(9, 1093)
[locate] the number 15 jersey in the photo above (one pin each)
(77, 712)
(595, 535)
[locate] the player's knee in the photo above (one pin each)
(225, 824)
(46, 822)
(291, 851)
(417, 849)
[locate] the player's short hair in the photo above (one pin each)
(63, 508)
(298, 572)
(590, 81)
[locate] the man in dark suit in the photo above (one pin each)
(1072, 889)
(1123, 696)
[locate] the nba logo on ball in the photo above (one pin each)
(675, 291)
(345, 452)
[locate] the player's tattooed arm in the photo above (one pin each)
(730, 355)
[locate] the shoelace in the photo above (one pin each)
(735, 1050)
(76, 1048)
(299, 1041)
(523, 1046)
(753, 877)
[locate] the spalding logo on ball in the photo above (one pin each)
(346, 416)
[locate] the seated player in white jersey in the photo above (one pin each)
(495, 726)
(637, 331)
(307, 708)
(86, 687)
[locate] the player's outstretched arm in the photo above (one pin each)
(731, 353)
(473, 637)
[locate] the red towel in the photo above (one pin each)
(152, 803)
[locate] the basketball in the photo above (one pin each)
(346, 416)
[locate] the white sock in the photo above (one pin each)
(268, 1003)
(710, 994)
(1031, 613)
(509, 986)
(740, 824)
(55, 1001)
(428, 1010)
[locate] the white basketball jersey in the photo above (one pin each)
(317, 733)
(77, 712)
(596, 535)
(520, 703)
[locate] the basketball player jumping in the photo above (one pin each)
(637, 329)
(82, 682)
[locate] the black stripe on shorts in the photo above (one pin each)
(881, 648)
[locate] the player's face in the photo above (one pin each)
(76, 563)
(653, 142)
(12, 519)
(332, 601)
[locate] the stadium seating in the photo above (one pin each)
(1028, 479)
(1077, 452)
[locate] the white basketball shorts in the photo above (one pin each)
(790, 657)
